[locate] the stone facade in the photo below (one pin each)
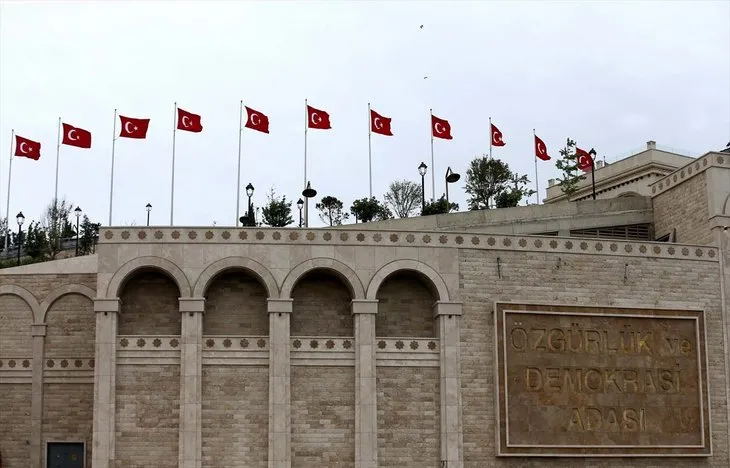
(690, 217)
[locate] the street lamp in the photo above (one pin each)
(422, 170)
(20, 218)
(300, 205)
(148, 208)
(249, 193)
(78, 215)
(451, 177)
(308, 192)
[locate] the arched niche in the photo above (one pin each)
(322, 304)
(405, 305)
(18, 307)
(149, 303)
(70, 321)
(235, 304)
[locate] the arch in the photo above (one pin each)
(57, 293)
(628, 194)
(155, 263)
(395, 266)
(726, 206)
(13, 290)
(236, 263)
(344, 272)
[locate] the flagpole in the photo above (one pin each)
(490, 138)
(370, 152)
(111, 182)
(537, 183)
(433, 167)
(172, 178)
(7, 202)
(238, 179)
(306, 199)
(58, 153)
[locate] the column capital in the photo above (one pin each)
(191, 304)
(279, 306)
(364, 306)
(38, 329)
(447, 308)
(107, 305)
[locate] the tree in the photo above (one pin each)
(568, 164)
(56, 225)
(487, 179)
(3, 232)
(277, 212)
(404, 196)
(89, 234)
(330, 211)
(35, 241)
(438, 207)
(370, 209)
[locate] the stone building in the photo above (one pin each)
(551, 335)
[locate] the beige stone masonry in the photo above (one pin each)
(279, 383)
(448, 315)
(104, 433)
(191, 340)
(366, 411)
(38, 331)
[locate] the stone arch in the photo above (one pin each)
(57, 293)
(25, 295)
(629, 194)
(154, 263)
(726, 205)
(258, 270)
(342, 271)
(425, 271)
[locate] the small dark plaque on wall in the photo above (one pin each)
(601, 381)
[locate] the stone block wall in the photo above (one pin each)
(15, 425)
(147, 416)
(71, 323)
(15, 320)
(68, 410)
(149, 306)
(322, 307)
(684, 207)
(235, 305)
(323, 417)
(235, 416)
(408, 417)
(405, 308)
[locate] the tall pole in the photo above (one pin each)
(593, 171)
(20, 241)
(172, 178)
(58, 153)
(111, 182)
(490, 138)
(423, 192)
(433, 167)
(7, 202)
(370, 152)
(306, 199)
(537, 183)
(77, 235)
(238, 179)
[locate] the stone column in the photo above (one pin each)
(38, 331)
(448, 315)
(102, 454)
(366, 408)
(190, 447)
(279, 383)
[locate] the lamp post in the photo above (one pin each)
(450, 177)
(300, 205)
(148, 208)
(249, 193)
(422, 170)
(308, 192)
(20, 218)
(78, 215)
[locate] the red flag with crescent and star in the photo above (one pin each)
(440, 128)
(134, 128)
(497, 137)
(318, 119)
(27, 148)
(74, 136)
(188, 121)
(541, 149)
(584, 160)
(380, 124)
(256, 120)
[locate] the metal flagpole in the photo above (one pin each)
(306, 199)
(490, 138)
(433, 167)
(111, 182)
(370, 151)
(537, 184)
(172, 179)
(58, 153)
(7, 202)
(238, 179)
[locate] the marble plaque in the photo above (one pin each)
(594, 381)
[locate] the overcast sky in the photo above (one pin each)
(610, 75)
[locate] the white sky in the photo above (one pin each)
(610, 75)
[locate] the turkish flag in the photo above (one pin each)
(497, 137)
(318, 119)
(380, 124)
(541, 149)
(440, 128)
(585, 160)
(27, 148)
(188, 121)
(257, 121)
(134, 128)
(74, 136)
